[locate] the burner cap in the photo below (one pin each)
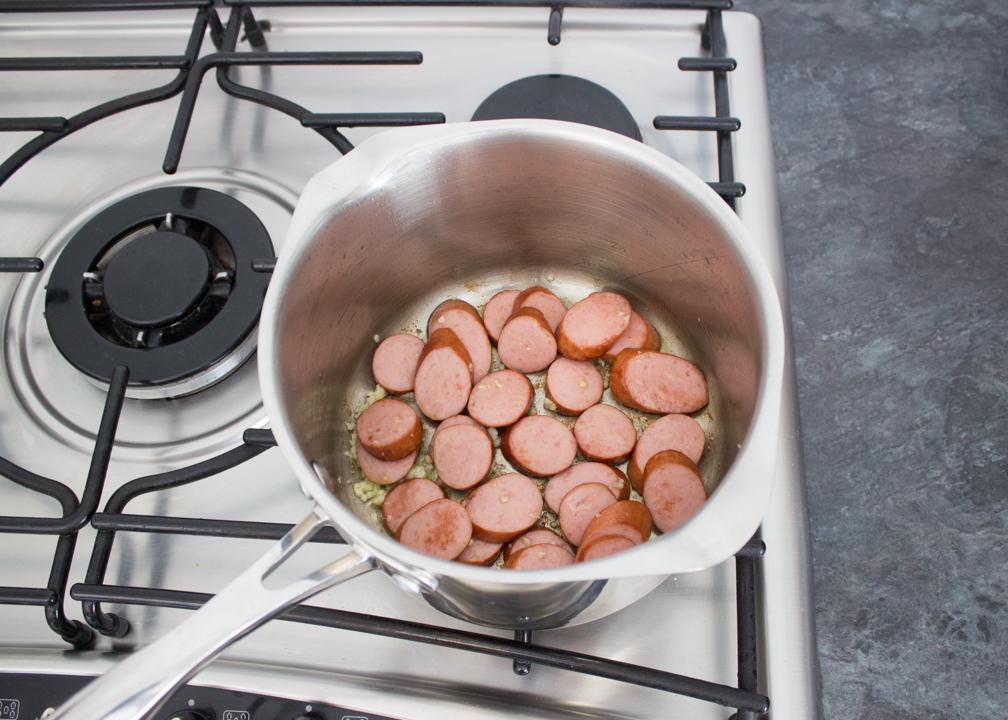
(134, 288)
(560, 97)
(161, 282)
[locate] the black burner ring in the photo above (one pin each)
(115, 298)
(560, 97)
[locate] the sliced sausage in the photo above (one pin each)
(395, 361)
(540, 557)
(626, 513)
(580, 474)
(497, 310)
(434, 321)
(405, 499)
(669, 432)
(592, 325)
(535, 536)
(452, 422)
(504, 507)
(603, 546)
(539, 445)
(673, 490)
(462, 455)
(440, 528)
(478, 552)
(639, 334)
(501, 398)
(604, 433)
(573, 385)
(580, 506)
(552, 307)
(389, 429)
(464, 320)
(526, 343)
(383, 472)
(443, 376)
(657, 382)
(624, 530)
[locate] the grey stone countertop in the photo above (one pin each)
(890, 123)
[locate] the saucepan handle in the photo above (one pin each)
(141, 683)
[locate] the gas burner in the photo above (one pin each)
(560, 97)
(161, 282)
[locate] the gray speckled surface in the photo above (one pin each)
(891, 135)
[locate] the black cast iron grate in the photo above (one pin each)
(76, 513)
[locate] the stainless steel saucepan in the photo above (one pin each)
(417, 215)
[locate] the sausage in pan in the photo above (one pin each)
(501, 398)
(657, 382)
(462, 319)
(395, 361)
(673, 490)
(389, 429)
(526, 343)
(405, 499)
(669, 432)
(573, 385)
(539, 445)
(443, 377)
(592, 325)
(604, 433)
(504, 507)
(440, 528)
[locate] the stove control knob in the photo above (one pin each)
(188, 715)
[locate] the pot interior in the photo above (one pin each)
(468, 218)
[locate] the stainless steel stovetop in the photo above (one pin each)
(50, 411)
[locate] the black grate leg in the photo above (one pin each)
(522, 667)
(73, 631)
(745, 592)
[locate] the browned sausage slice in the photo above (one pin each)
(383, 472)
(497, 310)
(552, 307)
(389, 429)
(539, 445)
(669, 432)
(478, 552)
(504, 507)
(639, 334)
(592, 325)
(629, 513)
(535, 536)
(464, 320)
(440, 528)
(395, 361)
(501, 398)
(540, 557)
(573, 385)
(622, 529)
(673, 490)
(657, 382)
(603, 546)
(405, 499)
(462, 455)
(434, 321)
(580, 506)
(452, 422)
(604, 433)
(526, 343)
(443, 376)
(580, 474)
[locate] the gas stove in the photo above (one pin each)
(132, 428)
